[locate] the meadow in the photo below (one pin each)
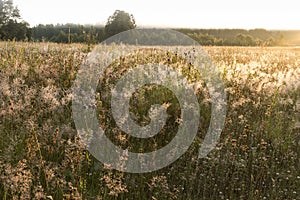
(42, 156)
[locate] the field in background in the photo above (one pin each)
(257, 157)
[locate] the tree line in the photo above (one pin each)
(237, 37)
(12, 27)
(69, 33)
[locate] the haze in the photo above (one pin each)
(161, 13)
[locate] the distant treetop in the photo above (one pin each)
(120, 21)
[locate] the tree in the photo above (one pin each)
(205, 39)
(10, 28)
(8, 12)
(245, 40)
(120, 21)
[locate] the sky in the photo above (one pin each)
(273, 15)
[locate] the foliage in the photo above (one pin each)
(206, 39)
(242, 37)
(74, 33)
(68, 33)
(10, 28)
(8, 12)
(120, 21)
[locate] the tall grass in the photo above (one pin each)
(42, 157)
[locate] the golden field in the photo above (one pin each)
(42, 157)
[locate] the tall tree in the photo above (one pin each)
(120, 21)
(10, 28)
(8, 12)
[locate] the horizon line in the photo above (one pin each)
(170, 27)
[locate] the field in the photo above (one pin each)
(257, 156)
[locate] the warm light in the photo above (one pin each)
(188, 13)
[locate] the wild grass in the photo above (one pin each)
(42, 157)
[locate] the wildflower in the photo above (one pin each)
(233, 143)
(263, 144)
(244, 136)
(244, 148)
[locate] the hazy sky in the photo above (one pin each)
(164, 13)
